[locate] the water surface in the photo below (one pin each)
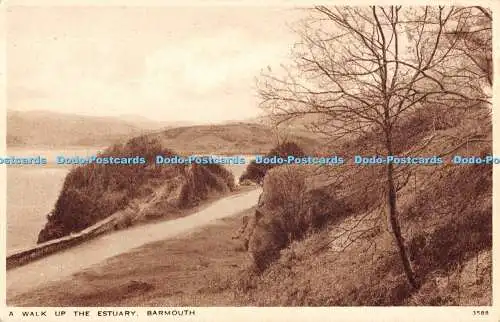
(32, 191)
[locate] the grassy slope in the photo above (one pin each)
(446, 219)
(49, 129)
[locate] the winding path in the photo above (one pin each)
(72, 260)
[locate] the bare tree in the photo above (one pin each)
(362, 69)
(474, 43)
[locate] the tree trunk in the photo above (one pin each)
(394, 222)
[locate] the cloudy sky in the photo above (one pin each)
(165, 63)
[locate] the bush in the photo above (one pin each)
(288, 209)
(256, 172)
(93, 192)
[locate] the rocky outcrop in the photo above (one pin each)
(179, 190)
(288, 208)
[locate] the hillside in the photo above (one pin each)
(232, 138)
(324, 241)
(140, 191)
(49, 129)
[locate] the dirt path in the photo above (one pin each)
(73, 260)
(197, 268)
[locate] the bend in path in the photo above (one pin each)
(74, 259)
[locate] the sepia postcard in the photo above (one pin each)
(249, 161)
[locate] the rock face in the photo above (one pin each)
(288, 208)
(52, 230)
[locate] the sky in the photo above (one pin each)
(165, 63)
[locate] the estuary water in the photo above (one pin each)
(32, 191)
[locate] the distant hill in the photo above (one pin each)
(300, 125)
(231, 138)
(145, 123)
(50, 129)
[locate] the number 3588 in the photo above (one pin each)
(479, 313)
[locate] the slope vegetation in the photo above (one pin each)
(335, 250)
(317, 237)
(93, 192)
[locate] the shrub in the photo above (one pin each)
(93, 192)
(289, 208)
(256, 172)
